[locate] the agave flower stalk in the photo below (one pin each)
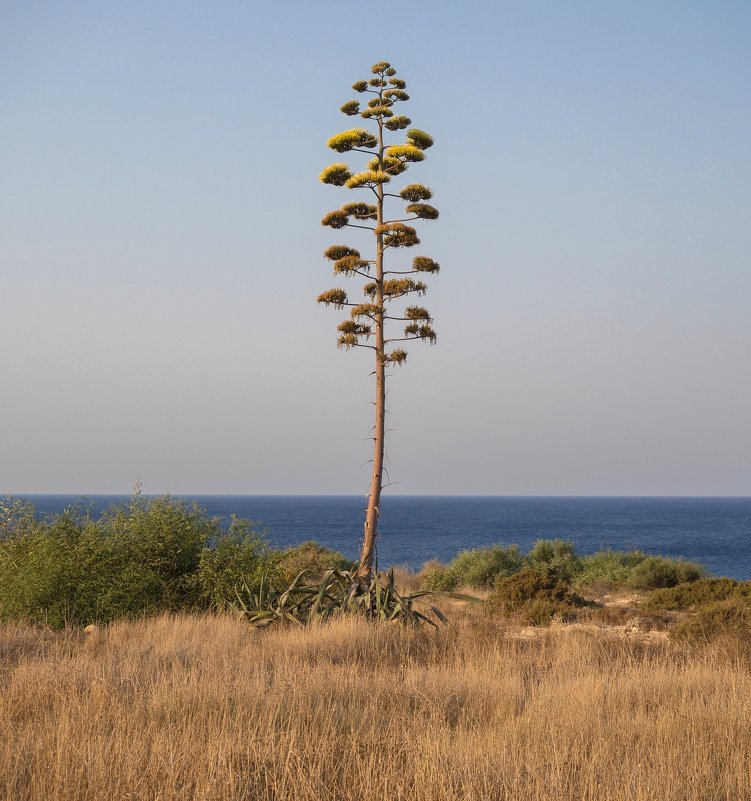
(367, 322)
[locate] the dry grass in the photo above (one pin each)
(181, 708)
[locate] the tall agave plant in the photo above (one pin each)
(366, 326)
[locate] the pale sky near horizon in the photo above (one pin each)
(160, 248)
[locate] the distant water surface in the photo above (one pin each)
(713, 531)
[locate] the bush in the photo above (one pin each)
(698, 593)
(608, 569)
(142, 557)
(312, 557)
(534, 596)
(729, 619)
(480, 568)
(38, 571)
(656, 572)
(556, 556)
(437, 577)
(237, 556)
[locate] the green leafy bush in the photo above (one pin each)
(311, 557)
(608, 569)
(698, 593)
(237, 556)
(656, 572)
(37, 572)
(555, 556)
(534, 596)
(729, 619)
(437, 577)
(141, 557)
(480, 568)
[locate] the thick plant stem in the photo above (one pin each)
(367, 553)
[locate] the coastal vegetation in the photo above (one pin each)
(573, 679)
(481, 568)
(146, 556)
(154, 555)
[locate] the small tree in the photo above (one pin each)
(383, 287)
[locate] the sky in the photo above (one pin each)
(160, 248)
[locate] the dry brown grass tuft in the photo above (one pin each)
(206, 708)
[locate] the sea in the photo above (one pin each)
(414, 529)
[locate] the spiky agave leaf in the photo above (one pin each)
(362, 211)
(347, 140)
(422, 264)
(423, 211)
(335, 219)
(416, 192)
(335, 252)
(340, 592)
(336, 297)
(405, 152)
(350, 108)
(367, 178)
(398, 123)
(337, 174)
(419, 138)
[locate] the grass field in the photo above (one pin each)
(204, 707)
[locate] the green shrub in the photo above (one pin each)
(480, 568)
(656, 572)
(310, 556)
(608, 569)
(698, 593)
(437, 577)
(556, 556)
(238, 556)
(729, 619)
(141, 557)
(39, 571)
(534, 596)
(16, 519)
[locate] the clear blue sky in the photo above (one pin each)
(160, 247)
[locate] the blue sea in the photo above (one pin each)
(413, 529)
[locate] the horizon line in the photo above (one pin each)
(358, 495)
